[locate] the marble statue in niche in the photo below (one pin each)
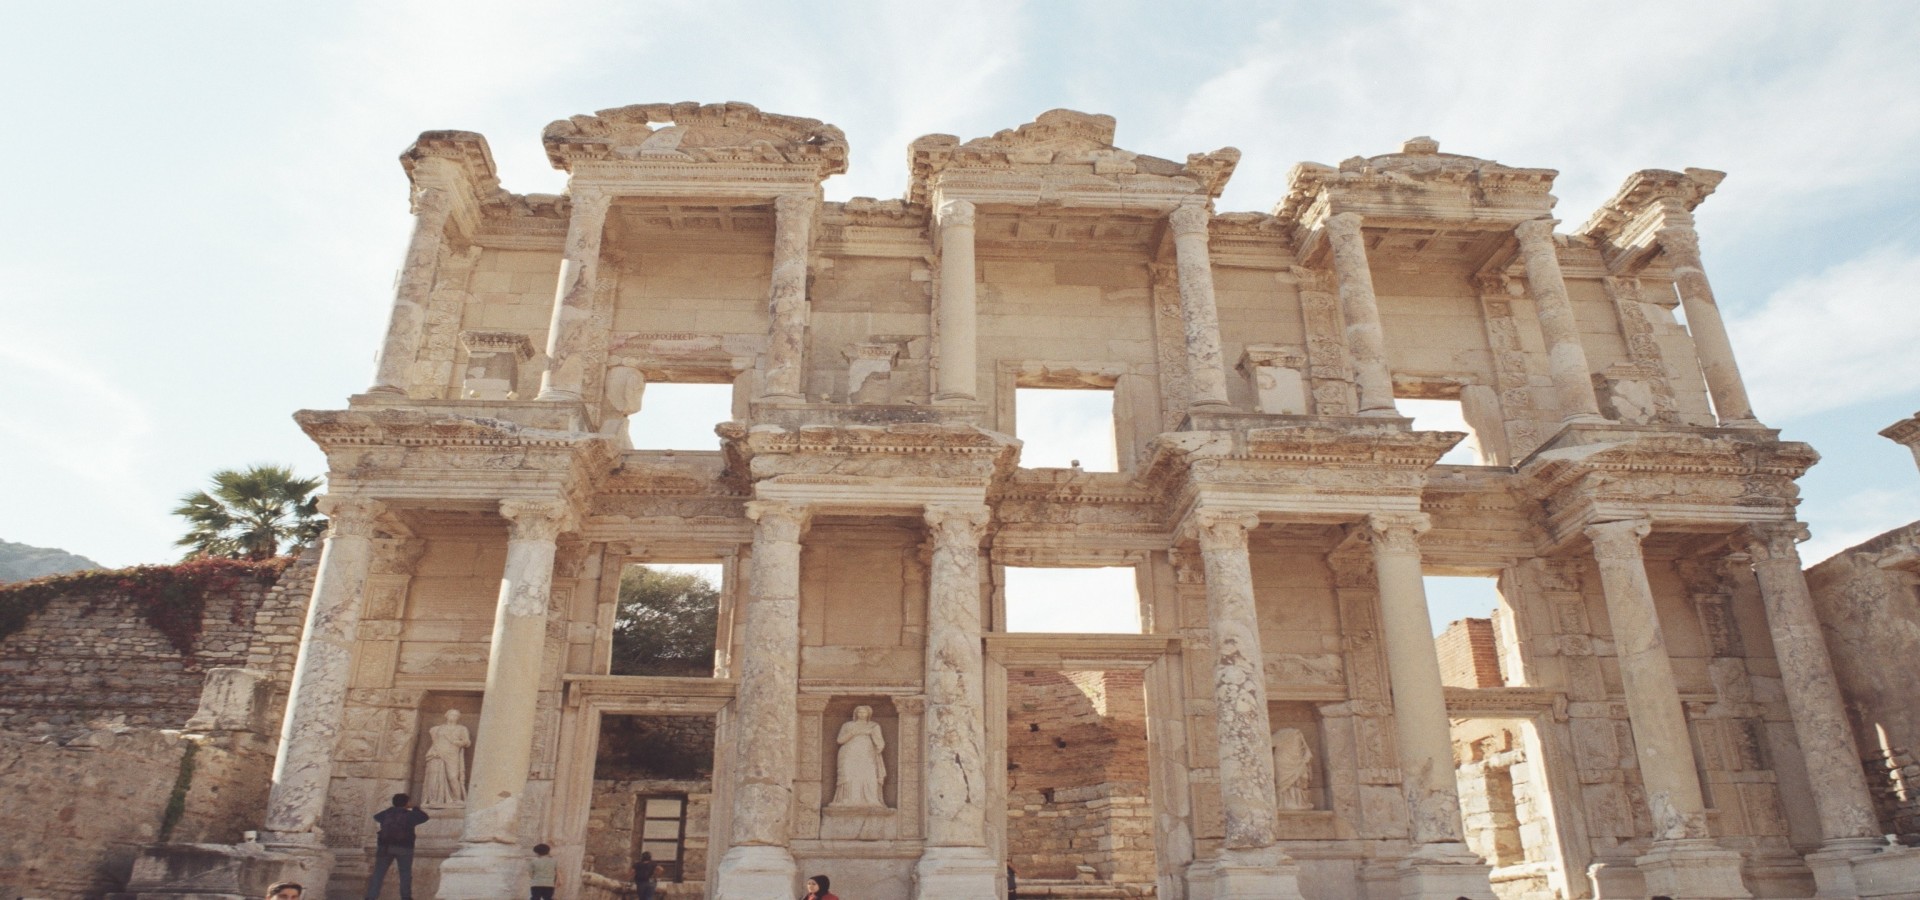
(862, 771)
(445, 783)
(1292, 770)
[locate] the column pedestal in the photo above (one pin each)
(1443, 872)
(1692, 869)
(956, 872)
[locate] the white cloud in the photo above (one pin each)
(1856, 518)
(1844, 336)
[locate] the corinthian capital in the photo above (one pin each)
(1397, 531)
(536, 520)
(955, 214)
(788, 206)
(777, 520)
(1680, 242)
(1772, 540)
(1222, 529)
(350, 516)
(1618, 540)
(1192, 218)
(1535, 232)
(957, 524)
(589, 204)
(431, 202)
(1344, 225)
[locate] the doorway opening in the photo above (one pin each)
(652, 793)
(1506, 806)
(1079, 811)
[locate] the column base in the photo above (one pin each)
(228, 871)
(948, 873)
(757, 873)
(1262, 874)
(1886, 872)
(1832, 866)
(1694, 869)
(484, 872)
(1443, 872)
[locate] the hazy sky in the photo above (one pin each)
(205, 211)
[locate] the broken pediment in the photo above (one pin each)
(1070, 145)
(679, 133)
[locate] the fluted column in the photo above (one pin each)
(1566, 359)
(1840, 793)
(1366, 340)
(758, 864)
(573, 296)
(432, 207)
(1205, 363)
(303, 767)
(787, 298)
(959, 322)
(955, 863)
(1710, 343)
(1421, 729)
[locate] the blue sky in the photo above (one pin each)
(205, 211)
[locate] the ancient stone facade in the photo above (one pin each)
(1674, 722)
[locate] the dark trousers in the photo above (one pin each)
(645, 888)
(542, 893)
(385, 857)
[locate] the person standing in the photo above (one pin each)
(395, 844)
(646, 876)
(817, 889)
(541, 872)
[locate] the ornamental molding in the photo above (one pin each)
(1066, 150)
(1417, 180)
(1648, 190)
(687, 138)
(924, 452)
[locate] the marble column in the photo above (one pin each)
(956, 862)
(1251, 863)
(959, 323)
(1366, 340)
(1684, 861)
(303, 767)
(1205, 363)
(787, 298)
(1840, 795)
(567, 336)
(1566, 359)
(1413, 667)
(1710, 343)
(758, 864)
(432, 207)
(489, 853)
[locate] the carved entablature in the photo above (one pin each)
(1418, 184)
(1627, 226)
(1708, 481)
(441, 457)
(1306, 472)
(714, 143)
(918, 458)
(1066, 157)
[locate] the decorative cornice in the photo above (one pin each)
(1314, 188)
(1068, 142)
(715, 133)
(1645, 190)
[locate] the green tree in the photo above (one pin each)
(248, 514)
(665, 623)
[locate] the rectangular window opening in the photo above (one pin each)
(652, 775)
(1466, 613)
(1078, 799)
(1103, 600)
(667, 620)
(680, 416)
(1062, 428)
(1445, 415)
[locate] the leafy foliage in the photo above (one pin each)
(665, 623)
(248, 514)
(172, 599)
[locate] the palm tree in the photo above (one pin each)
(249, 513)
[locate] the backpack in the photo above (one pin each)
(396, 827)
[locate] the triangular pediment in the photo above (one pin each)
(1062, 141)
(680, 133)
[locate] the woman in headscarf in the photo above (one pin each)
(817, 889)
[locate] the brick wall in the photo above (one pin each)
(80, 659)
(1077, 779)
(1469, 656)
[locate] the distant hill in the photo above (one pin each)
(19, 562)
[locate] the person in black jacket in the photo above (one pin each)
(395, 844)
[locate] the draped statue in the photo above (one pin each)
(446, 779)
(862, 770)
(1292, 769)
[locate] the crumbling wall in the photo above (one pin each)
(1077, 779)
(1469, 654)
(82, 659)
(76, 806)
